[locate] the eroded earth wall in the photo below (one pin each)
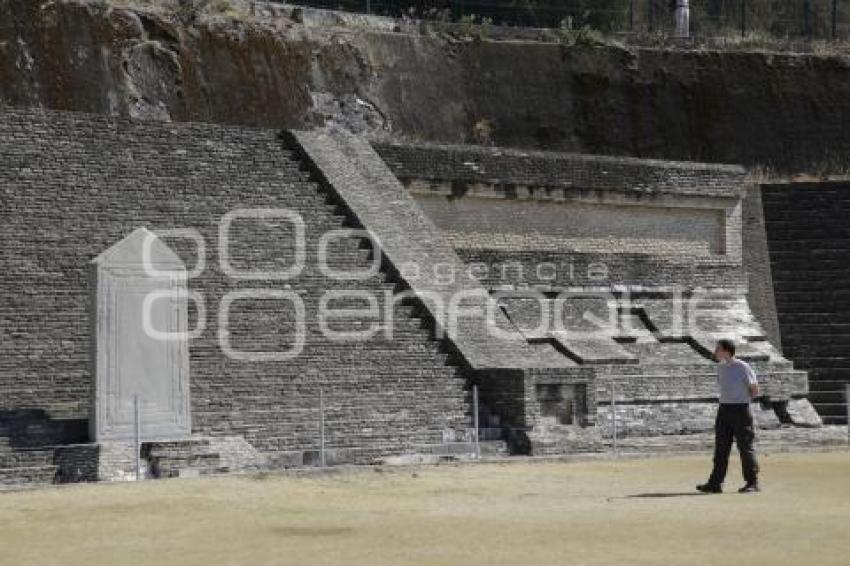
(790, 112)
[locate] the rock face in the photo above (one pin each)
(785, 111)
(85, 57)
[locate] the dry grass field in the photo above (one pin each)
(629, 511)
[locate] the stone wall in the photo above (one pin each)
(809, 242)
(544, 218)
(74, 184)
(518, 171)
(517, 225)
(757, 265)
(615, 249)
(506, 365)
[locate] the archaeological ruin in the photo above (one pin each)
(302, 273)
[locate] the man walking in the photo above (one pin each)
(738, 387)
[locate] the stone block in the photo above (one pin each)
(141, 352)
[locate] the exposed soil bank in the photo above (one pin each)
(789, 112)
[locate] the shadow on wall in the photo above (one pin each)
(34, 428)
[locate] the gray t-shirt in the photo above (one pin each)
(734, 378)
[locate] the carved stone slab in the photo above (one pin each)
(139, 354)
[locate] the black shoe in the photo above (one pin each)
(750, 488)
(708, 488)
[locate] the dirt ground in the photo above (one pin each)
(607, 512)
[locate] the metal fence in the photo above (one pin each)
(820, 19)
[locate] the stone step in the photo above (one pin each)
(790, 228)
(832, 270)
(814, 234)
(816, 285)
(486, 447)
(12, 458)
(823, 367)
(821, 338)
(181, 458)
(808, 259)
(828, 386)
(804, 354)
(820, 367)
(24, 476)
(829, 397)
(814, 355)
(807, 200)
(812, 237)
(814, 317)
(822, 243)
(811, 352)
(837, 372)
(799, 331)
(819, 259)
(804, 217)
(831, 409)
(803, 308)
(779, 212)
(809, 244)
(812, 227)
(808, 192)
(827, 250)
(779, 216)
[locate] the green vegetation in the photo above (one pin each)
(584, 36)
(469, 28)
(187, 12)
(482, 132)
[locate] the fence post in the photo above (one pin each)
(651, 22)
(614, 417)
(683, 19)
(743, 18)
(321, 427)
(807, 18)
(632, 16)
(847, 403)
(834, 19)
(137, 436)
(475, 423)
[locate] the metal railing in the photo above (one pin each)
(812, 19)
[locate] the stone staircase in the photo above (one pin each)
(412, 357)
(809, 243)
(182, 458)
(413, 324)
(365, 191)
(373, 198)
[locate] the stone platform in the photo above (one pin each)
(638, 266)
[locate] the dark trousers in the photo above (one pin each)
(734, 422)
